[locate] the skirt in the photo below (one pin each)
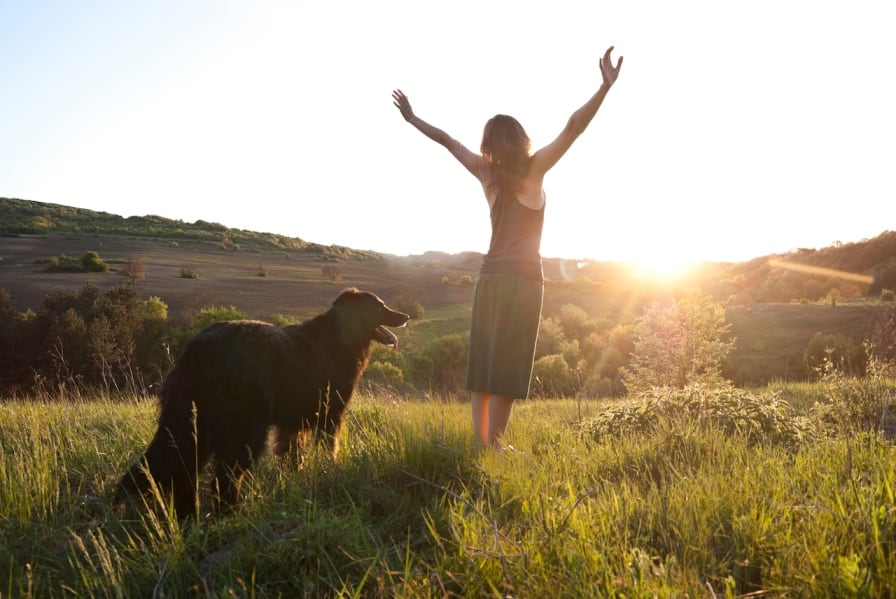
(503, 332)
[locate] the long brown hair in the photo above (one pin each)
(506, 148)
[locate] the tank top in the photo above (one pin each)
(516, 239)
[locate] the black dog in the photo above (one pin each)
(238, 383)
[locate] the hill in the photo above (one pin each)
(774, 307)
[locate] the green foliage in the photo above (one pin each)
(825, 352)
(281, 320)
(679, 343)
(381, 373)
(28, 217)
(62, 263)
(575, 321)
(83, 339)
(762, 418)
(91, 262)
(441, 363)
(551, 377)
(550, 338)
(212, 314)
(846, 403)
(413, 508)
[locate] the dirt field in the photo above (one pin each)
(294, 285)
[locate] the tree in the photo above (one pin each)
(133, 269)
(334, 273)
(679, 343)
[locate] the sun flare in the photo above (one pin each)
(665, 268)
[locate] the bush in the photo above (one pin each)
(187, 272)
(441, 365)
(383, 374)
(827, 351)
(763, 418)
(597, 387)
(678, 344)
(134, 269)
(550, 338)
(91, 262)
(212, 314)
(62, 263)
(551, 377)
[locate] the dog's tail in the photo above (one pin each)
(171, 462)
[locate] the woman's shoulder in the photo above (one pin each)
(531, 193)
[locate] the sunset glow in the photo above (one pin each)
(260, 116)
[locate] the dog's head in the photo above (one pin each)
(364, 316)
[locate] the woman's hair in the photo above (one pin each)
(506, 148)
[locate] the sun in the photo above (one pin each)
(666, 267)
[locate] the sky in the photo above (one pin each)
(734, 131)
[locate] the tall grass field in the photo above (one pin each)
(785, 491)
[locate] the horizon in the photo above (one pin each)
(712, 146)
(656, 269)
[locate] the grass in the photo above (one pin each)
(412, 508)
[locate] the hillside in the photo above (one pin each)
(774, 311)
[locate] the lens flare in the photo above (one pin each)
(819, 270)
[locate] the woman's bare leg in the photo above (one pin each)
(499, 409)
(480, 402)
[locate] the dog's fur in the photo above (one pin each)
(236, 384)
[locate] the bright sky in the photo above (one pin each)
(735, 130)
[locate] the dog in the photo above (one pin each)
(242, 388)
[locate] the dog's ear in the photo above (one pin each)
(345, 294)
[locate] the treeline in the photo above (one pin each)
(79, 340)
(25, 217)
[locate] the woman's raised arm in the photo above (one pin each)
(472, 162)
(546, 157)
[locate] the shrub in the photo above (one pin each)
(188, 272)
(828, 351)
(212, 314)
(91, 262)
(551, 377)
(334, 273)
(550, 338)
(383, 373)
(441, 365)
(596, 387)
(575, 322)
(134, 269)
(62, 263)
(679, 343)
(281, 320)
(762, 418)
(412, 308)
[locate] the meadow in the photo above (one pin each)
(787, 490)
(782, 486)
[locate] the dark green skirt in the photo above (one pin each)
(503, 332)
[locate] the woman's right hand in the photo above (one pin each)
(403, 104)
(609, 72)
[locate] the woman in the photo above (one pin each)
(507, 296)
